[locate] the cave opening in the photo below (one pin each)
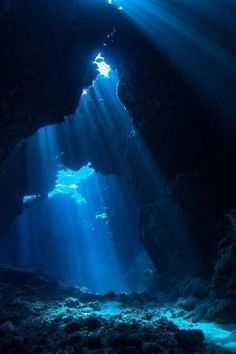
(85, 233)
(79, 224)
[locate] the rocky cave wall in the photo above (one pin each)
(195, 155)
(48, 48)
(193, 144)
(41, 83)
(46, 51)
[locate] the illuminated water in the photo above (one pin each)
(84, 230)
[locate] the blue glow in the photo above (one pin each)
(85, 92)
(103, 68)
(102, 216)
(77, 239)
(29, 198)
(68, 182)
(86, 231)
(111, 309)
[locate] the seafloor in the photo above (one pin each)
(40, 315)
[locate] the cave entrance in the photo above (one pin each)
(80, 219)
(84, 232)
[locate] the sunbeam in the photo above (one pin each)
(182, 31)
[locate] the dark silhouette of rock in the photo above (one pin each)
(190, 339)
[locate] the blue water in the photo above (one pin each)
(77, 223)
(84, 229)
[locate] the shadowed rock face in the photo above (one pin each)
(41, 82)
(193, 143)
(46, 50)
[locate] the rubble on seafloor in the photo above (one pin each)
(40, 315)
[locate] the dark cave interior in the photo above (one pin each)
(117, 176)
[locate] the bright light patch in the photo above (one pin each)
(84, 92)
(111, 309)
(73, 186)
(214, 333)
(111, 2)
(103, 68)
(68, 181)
(101, 216)
(30, 198)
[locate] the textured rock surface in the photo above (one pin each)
(223, 293)
(194, 147)
(192, 152)
(38, 315)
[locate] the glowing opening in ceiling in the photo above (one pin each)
(68, 181)
(103, 68)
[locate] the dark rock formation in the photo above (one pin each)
(47, 49)
(190, 339)
(193, 144)
(192, 152)
(223, 293)
(12, 186)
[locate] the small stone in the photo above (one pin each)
(7, 327)
(148, 316)
(118, 341)
(72, 327)
(123, 340)
(87, 309)
(190, 338)
(72, 302)
(96, 306)
(92, 323)
(134, 340)
(94, 342)
(18, 339)
(187, 304)
(129, 350)
(152, 348)
(74, 339)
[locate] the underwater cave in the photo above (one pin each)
(117, 177)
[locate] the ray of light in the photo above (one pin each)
(197, 38)
(89, 233)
